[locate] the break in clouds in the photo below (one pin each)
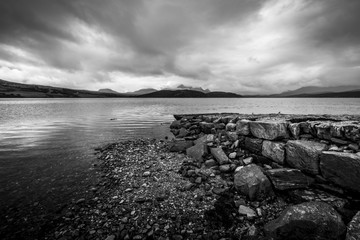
(252, 46)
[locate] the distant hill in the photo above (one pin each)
(317, 90)
(347, 94)
(183, 87)
(141, 92)
(188, 94)
(108, 90)
(19, 90)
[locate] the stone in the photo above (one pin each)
(180, 145)
(245, 210)
(197, 151)
(205, 139)
(183, 133)
(230, 127)
(232, 136)
(219, 126)
(339, 141)
(305, 127)
(269, 130)
(242, 127)
(219, 155)
(294, 128)
(304, 155)
(253, 145)
(206, 127)
(248, 160)
(311, 221)
(198, 180)
(342, 169)
(210, 163)
(175, 124)
(251, 181)
(353, 229)
(323, 130)
(232, 155)
(354, 147)
(274, 150)
(352, 131)
(225, 168)
(285, 178)
(110, 237)
(146, 174)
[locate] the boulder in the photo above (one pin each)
(210, 163)
(304, 155)
(176, 124)
(230, 127)
(341, 168)
(205, 139)
(183, 132)
(232, 136)
(353, 229)
(251, 181)
(197, 151)
(206, 127)
(225, 168)
(323, 130)
(274, 150)
(294, 128)
(180, 145)
(352, 131)
(269, 130)
(219, 155)
(286, 178)
(242, 127)
(253, 145)
(310, 220)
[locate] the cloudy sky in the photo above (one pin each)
(241, 46)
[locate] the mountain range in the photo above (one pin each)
(19, 90)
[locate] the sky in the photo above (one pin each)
(243, 46)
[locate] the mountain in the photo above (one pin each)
(183, 87)
(141, 92)
(108, 90)
(20, 90)
(346, 94)
(317, 90)
(188, 94)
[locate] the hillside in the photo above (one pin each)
(188, 94)
(317, 90)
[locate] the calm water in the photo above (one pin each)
(46, 145)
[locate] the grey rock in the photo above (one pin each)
(210, 163)
(274, 150)
(219, 155)
(180, 145)
(285, 178)
(304, 155)
(206, 127)
(251, 181)
(295, 129)
(230, 127)
(205, 139)
(254, 145)
(183, 133)
(342, 169)
(353, 229)
(323, 130)
(339, 141)
(354, 147)
(175, 124)
(245, 210)
(269, 130)
(248, 160)
(311, 221)
(197, 151)
(225, 168)
(146, 174)
(242, 127)
(232, 136)
(232, 155)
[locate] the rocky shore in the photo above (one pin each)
(224, 176)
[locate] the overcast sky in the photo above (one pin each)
(253, 46)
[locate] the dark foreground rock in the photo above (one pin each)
(311, 221)
(353, 230)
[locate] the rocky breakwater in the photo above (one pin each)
(276, 176)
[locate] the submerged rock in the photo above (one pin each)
(311, 221)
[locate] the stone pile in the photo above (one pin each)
(312, 159)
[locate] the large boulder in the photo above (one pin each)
(286, 178)
(207, 138)
(269, 130)
(253, 144)
(274, 150)
(353, 229)
(219, 155)
(197, 151)
(304, 155)
(311, 221)
(251, 181)
(180, 145)
(341, 168)
(242, 127)
(176, 124)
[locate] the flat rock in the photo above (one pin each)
(225, 168)
(210, 163)
(353, 229)
(197, 151)
(245, 210)
(251, 181)
(311, 221)
(180, 145)
(269, 130)
(254, 144)
(285, 178)
(219, 155)
(242, 127)
(342, 169)
(304, 155)
(274, 150)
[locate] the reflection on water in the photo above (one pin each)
(46, 145)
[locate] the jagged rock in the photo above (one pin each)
(305, 127)
(242, 127)
(269, 130)
(210, 163)
(253, 144)
(205, 139)
(353, 229)
(245, 210)
(285, 178)
(180, 145)
(197, 151)
(311, 221)
(248, 160)
(183, 132)
(206, 127)
(230, 127)
(232, 136)
(175, 124)
(323, 130)
(225, 168)
(341, 169)
(294, 128)
(304, 155)
(352, 131)
(219, 155)
(251, 181)
(232, 155)
(274, 150)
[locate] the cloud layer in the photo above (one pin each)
(241, 46)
